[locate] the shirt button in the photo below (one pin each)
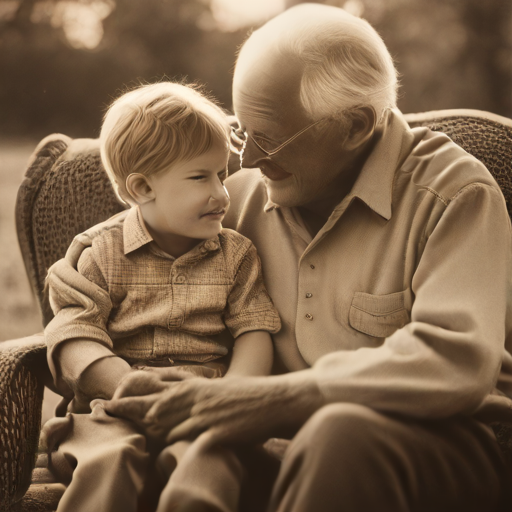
(181, 279)
(312, 266)
(309, 316)
(210, 245)
(309, 295)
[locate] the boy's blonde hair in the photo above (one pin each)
(155, 126)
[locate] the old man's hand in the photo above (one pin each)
(235, 409)
(138, 391)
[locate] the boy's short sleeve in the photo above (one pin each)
(80, 302)
(250, 307)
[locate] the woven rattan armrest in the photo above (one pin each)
(23, 375)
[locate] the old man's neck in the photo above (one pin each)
(315, 213)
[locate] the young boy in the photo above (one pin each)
(155, 286)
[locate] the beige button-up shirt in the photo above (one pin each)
(141, 303)
(401, 302)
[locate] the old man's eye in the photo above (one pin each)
(264, 142)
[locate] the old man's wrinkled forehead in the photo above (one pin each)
(270, 88)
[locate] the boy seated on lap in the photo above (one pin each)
(155, 286)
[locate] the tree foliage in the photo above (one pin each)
(452, 54)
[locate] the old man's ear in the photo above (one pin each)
(139, 188)
(361, 128)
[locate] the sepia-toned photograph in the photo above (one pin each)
(255, 256)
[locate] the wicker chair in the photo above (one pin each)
(65, 191)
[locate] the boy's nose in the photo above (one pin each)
(220, 194)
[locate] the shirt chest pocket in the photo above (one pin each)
(378, 315)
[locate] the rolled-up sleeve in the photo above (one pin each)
(448, 357)
(81, 305)
(250, 307)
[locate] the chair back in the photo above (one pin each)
(64, 192)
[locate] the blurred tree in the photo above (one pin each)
(46, 85)
(488, 51)
(23, 14)
(450, 54)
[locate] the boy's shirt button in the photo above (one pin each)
(181, 278)
(210, 245)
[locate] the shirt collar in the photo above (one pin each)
(374, 185)
(135, 233)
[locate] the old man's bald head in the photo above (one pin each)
(330, 59)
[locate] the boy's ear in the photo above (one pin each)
(139, 188)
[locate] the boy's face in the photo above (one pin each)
(190, 198)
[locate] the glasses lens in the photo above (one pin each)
(264, 144)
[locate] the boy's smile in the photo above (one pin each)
(187, 202)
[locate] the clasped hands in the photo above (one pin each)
(172, 405)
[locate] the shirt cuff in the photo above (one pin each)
(269, 322)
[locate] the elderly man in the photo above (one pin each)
(387, 252)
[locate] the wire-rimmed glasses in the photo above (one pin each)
(239, 137)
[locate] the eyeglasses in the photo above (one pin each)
(239, 137)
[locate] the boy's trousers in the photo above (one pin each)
(345, 458)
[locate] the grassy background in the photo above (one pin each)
(19, 312)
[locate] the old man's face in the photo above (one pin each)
(267, 103)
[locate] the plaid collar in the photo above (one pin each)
(136, 235)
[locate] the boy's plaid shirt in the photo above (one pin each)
(144, 304)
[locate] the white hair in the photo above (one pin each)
(346, 63)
